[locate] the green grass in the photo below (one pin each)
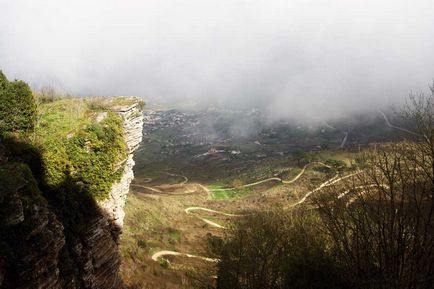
(61, 118)
(227, 194)
(217, 185)
(111, 102)
(221, 195)
(346, 157)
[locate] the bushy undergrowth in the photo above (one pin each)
(96, 155)
(92, 156)
(17, 106)
(73, 146)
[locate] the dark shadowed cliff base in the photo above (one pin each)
(47, 240)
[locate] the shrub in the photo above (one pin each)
(56, 163)
(17, 106)
(95, 155)
(90, 155)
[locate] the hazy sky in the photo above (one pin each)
(311, 58)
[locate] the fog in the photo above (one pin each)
(310, 59)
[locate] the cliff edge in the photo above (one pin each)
(61, 201)
(131, 112)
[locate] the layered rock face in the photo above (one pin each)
(97, 254)
(33, 236)
(43, 255)
(133, 126)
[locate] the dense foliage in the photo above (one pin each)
(17, 106)
(70, 152)
(96, 155)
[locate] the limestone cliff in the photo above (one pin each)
(39, 247)
(133, 124)
(97, 253)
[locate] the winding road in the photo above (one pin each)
(214, 224)
(176, 175)
(344, 140)
(273, 179)
(157, 190)
(147, 188)
(354, 198)
(329, 182)
(161, 254)
(394, 126)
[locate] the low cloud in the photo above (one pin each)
(310, 59)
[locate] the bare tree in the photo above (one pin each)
(382, 224)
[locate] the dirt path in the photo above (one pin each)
(148, 188)
(357, 187)
(344, 140)
(147, 180)
(302, 171)
(176, 175)
(209, 193)
(163, 253)
(329, 182)
(361, 193)
(188, 210)
(209, 222)
(395, 127)
(156, 256)
(273, 179)
(248, 185)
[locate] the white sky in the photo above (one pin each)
(312, 58)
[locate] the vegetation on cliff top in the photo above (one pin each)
(77, 139)
(58, 156)
(74, 145)
(17, 105)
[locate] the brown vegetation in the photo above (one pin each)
(374, 230)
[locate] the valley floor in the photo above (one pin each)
(191, 184)
(170, 219)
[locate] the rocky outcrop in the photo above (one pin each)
(98, 254)
(39, 245)
(132, 114)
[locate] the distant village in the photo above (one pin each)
(206, 135)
